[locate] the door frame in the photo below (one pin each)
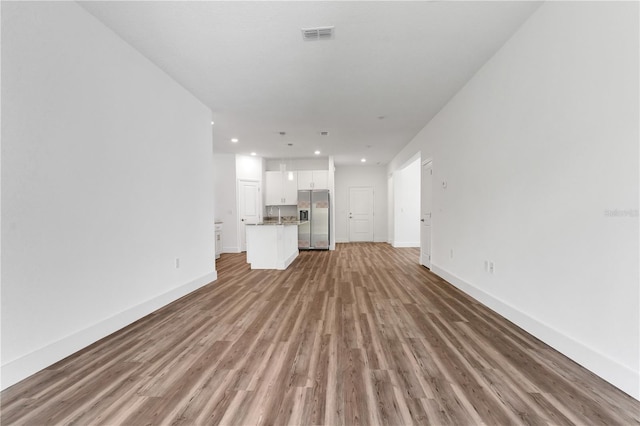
(240, 227)
(423, 163)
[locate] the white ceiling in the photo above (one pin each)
(389, 69)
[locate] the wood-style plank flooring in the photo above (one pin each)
(359, 336)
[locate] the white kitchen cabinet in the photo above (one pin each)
(273, 188)
(290, 188)
(271, 246)
(305, 180)
(313, 179)
(280, 190)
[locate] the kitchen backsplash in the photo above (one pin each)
(284, 218)
(284, 211)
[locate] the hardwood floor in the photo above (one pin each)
(362, 335)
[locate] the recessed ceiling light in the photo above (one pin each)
(234, 140)
(317, 152)
(363, 160)
(253, 153)
(212, 123)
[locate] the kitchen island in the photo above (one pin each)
(272, 245)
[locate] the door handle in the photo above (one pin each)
(242, 220)
(421, 220)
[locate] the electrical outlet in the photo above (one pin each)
(177, 262)
(491, 268)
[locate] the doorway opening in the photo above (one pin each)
(406, 204)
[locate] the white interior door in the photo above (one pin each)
(361, 214)
(425, 212)
(249, 208)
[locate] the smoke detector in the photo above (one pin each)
(318, 33)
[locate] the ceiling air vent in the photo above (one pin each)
(320, 33)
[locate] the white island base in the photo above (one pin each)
(272, 246)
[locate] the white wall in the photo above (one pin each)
(106, 180)
(360, 176)
(316, 163)
(535, 150)
(249, 167)
(224, 166)
(406, 205)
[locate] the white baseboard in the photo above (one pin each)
(342, 240)
(610, 370)
(401, 244)
(23, 367)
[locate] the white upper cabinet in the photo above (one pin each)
(273, 188)
(313, 179)
(321, 179)
(290, 187)
(281, 188)
(305, 179)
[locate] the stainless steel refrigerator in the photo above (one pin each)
(313, 207)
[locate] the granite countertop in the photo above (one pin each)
(284, 220)
(275, 222)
